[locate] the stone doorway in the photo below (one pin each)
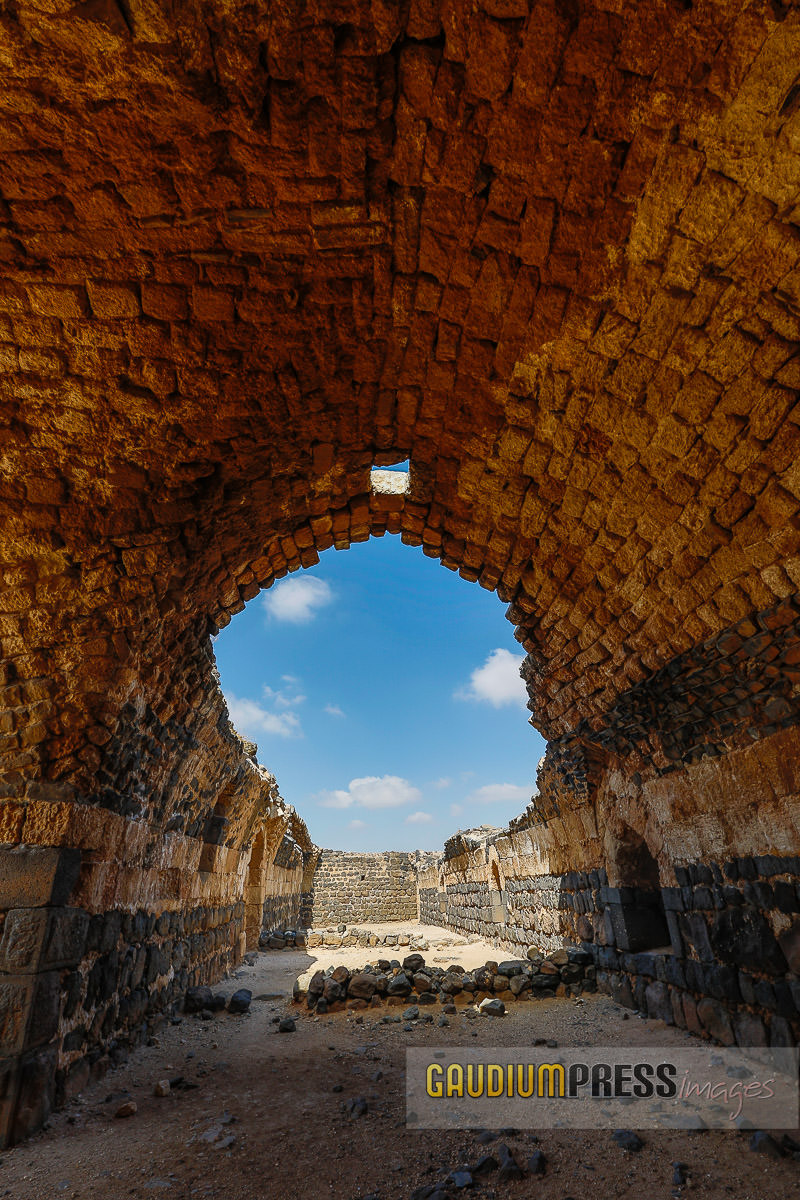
(635, 915)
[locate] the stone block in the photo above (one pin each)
(715, 1020)
(35, 1093)
(691, 1020)
(33, 876)
(15, 1002)
(621, 990)
(749, 1029)
(789, 942)
(743, 937)
(65, 937)
(22, 940)
(694, 932)
(659, 1002)
(112, 301)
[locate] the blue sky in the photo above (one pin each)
(383, 692)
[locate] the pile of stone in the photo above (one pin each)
(336, 936)
(562, 973)
(351, 935)
(202, 1002)
(282, 939)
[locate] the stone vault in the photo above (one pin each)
(549, 251)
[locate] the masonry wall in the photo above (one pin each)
(110, 909)
(729, 967)
(275, 897)
(351, 887)
(83, 981)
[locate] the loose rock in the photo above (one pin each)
(764, 1143)
(240, 1001)
(628, 1140)
(537, 1163)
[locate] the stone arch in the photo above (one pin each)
(636, 918)
(498, 899)
(279, 868)
(256, 890)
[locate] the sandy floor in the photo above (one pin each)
(265, 1123)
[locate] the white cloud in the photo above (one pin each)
(418, 818)
(297, 599)
(280, 698)
(456, 810)
(333, 710)
(372, 791)
(500, 793)
(357, 824)
(337, 799)
(497, 682)
(441, 784)
(252, 719)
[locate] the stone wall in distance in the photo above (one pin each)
(349, 887)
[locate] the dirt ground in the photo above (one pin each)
(265, 1123)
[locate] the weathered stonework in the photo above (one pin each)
(547, 251)
(349, 888)
(724, 954)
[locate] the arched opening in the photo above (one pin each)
(216, 827)
(497, 897)
(379, 696)
(386, 698)
(635, 915)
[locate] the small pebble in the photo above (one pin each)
(628, 1140)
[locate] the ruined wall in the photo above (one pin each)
(281, 864)
(723, 957)
(110, 910)
(375, 887)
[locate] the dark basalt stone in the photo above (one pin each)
(743, 937)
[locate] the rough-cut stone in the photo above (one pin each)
(198, 998)
(362, 986)
(511, 967)
(413, 962)
(628, 1140)
(399, 985)
(240, 1001)
(743, 936)
(715, 1020)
